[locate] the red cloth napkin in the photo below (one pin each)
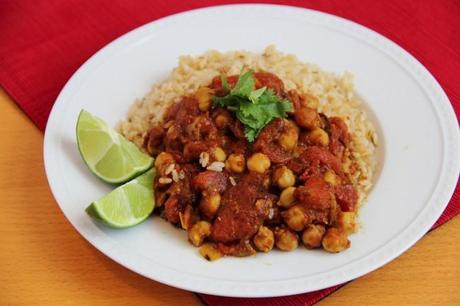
(43, 42)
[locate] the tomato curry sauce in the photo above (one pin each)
(236, 197)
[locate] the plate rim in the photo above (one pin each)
(230, 289)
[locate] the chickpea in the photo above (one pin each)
(331, 178)
(171, 131)
(222, 120)
(236, 163)
(293, 125)
(346, 221)
(284, 177)
(287, 197)
(288, 139)
(335, 240)
(307, 118)
(319, 137)
(347, 164)
(295, 217)
(199, 232)
(187, 218)
(311, 101)
(209, 204)
(285, 239)
(163, 159)
(209, 252)
(219, 154)
(312, 236)
(203, 95)
(264, 239)
(258, 162)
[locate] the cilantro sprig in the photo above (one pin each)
(254, 108)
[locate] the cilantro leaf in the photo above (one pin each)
(268, 97)
(228, 101)
(254, 96)
(249, 109)
(244, 86)
(253, 108)
(250, 134)
(285, 106)
(224, 82)
(249, 121)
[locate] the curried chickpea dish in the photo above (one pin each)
(244, 166)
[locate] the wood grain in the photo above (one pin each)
(44, 261)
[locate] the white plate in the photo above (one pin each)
(419, 142)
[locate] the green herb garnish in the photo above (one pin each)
(254, 108)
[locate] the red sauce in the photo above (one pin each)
(267, 142)
(247, 200)
(239, 218)
(314, 194)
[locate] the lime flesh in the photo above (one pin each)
(127, 205)
(107, 154)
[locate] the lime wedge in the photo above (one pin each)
(107, 154)
(127, 205)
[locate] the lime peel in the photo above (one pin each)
(108, 154)
(127, 205)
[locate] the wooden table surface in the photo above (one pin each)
(44, 261)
